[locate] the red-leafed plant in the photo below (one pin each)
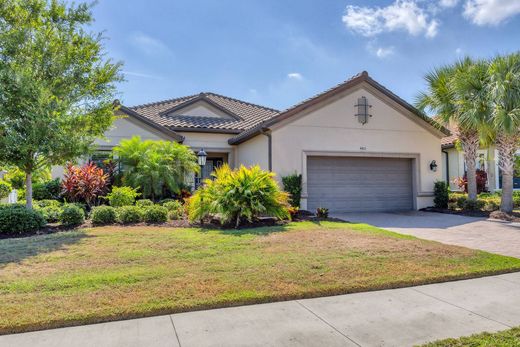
(462, 182)
(84, 183)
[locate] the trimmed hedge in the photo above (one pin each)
(17, 219)
(175, 209)
(155, 214)
(144, 203)
(72, 215)
(122, 196)
(103, 215)
(129, 214)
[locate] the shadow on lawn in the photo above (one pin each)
(18, 249)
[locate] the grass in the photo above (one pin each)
(115, 272)
(507, 338)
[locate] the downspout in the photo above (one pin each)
(269, 148)
(447, 166)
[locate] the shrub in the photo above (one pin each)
(164, 201)
(155, 214)
(51, 213)
(84, 183)
(473, 205)
(122, 196)
(129, 214)
(144, 203)
(237, 195)
(5, 189)
(49, 190)
(175, 209)
(103, 215)
(491, 205)
(461, 201)
(293, 185)
(462, 182)
(47, 203)
(441, 194)
(452, 205)
(322, 212)
(72, 215)
(17, 219)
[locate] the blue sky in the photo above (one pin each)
(277, 53)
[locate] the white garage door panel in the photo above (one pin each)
(359, 184)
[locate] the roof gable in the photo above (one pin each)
(355, 81)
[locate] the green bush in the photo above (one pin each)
(17, 219)
(155, 214)
(51, 213)
(441, 194)
(164, 201)
(103, 215)
(46, 203)
(452, 205)
(72, 215)
(461, 201)
(491, 205)
(129, 214)
(292, 184)
(122, 196)
(322, 212)
(144, 203)
(175, 209)
(5, 189)
(473, 205)
(47, 190)
(238, 195)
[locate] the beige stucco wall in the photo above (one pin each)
(211, 142)
(125, 128)
(331, 127)
(254, 152)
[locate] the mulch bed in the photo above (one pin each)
(515, 217)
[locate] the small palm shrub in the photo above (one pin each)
(238, 195)
(293, 185)
(122, 196)
(144, 203)
(103, 215)
(18, 219)
(72, 215)
(322, 212)
(155, 214)
(441, 194)
(5, 189)
(129, 214)
(175, 209)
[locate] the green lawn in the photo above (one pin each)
(113, 272)
(508, 338)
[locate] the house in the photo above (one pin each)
(487, 160)
(358, 146)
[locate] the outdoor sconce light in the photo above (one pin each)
(201, 157)
(363, 106)
(433, 166)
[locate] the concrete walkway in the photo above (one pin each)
(479, 233)
(397, 317)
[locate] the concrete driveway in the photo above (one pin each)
(479, 233)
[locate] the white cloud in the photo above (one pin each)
(490, 12)
(404, 15)
(295, 76)
(148, 44)
(448, 3)
(383, 52)
(459, 51)
(141, 74)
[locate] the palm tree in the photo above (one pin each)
(457, 94)
(504, 91)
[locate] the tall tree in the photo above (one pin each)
(456, 93)
(56, 85)
(504, 91)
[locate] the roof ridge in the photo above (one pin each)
(155, 103)
(242, 101)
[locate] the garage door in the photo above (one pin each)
(359, 184)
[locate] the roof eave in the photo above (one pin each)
(160, 128)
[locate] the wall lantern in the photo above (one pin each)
(201, 157)
(433, 166)
(362, 110)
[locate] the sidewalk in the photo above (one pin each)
(397, 317)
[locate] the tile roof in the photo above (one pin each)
(449, 141)
(244, 115)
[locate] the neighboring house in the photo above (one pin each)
(358, 146)
(487, 160)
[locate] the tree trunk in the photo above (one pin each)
(470, 142)
(506, 147)
(28, 190)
